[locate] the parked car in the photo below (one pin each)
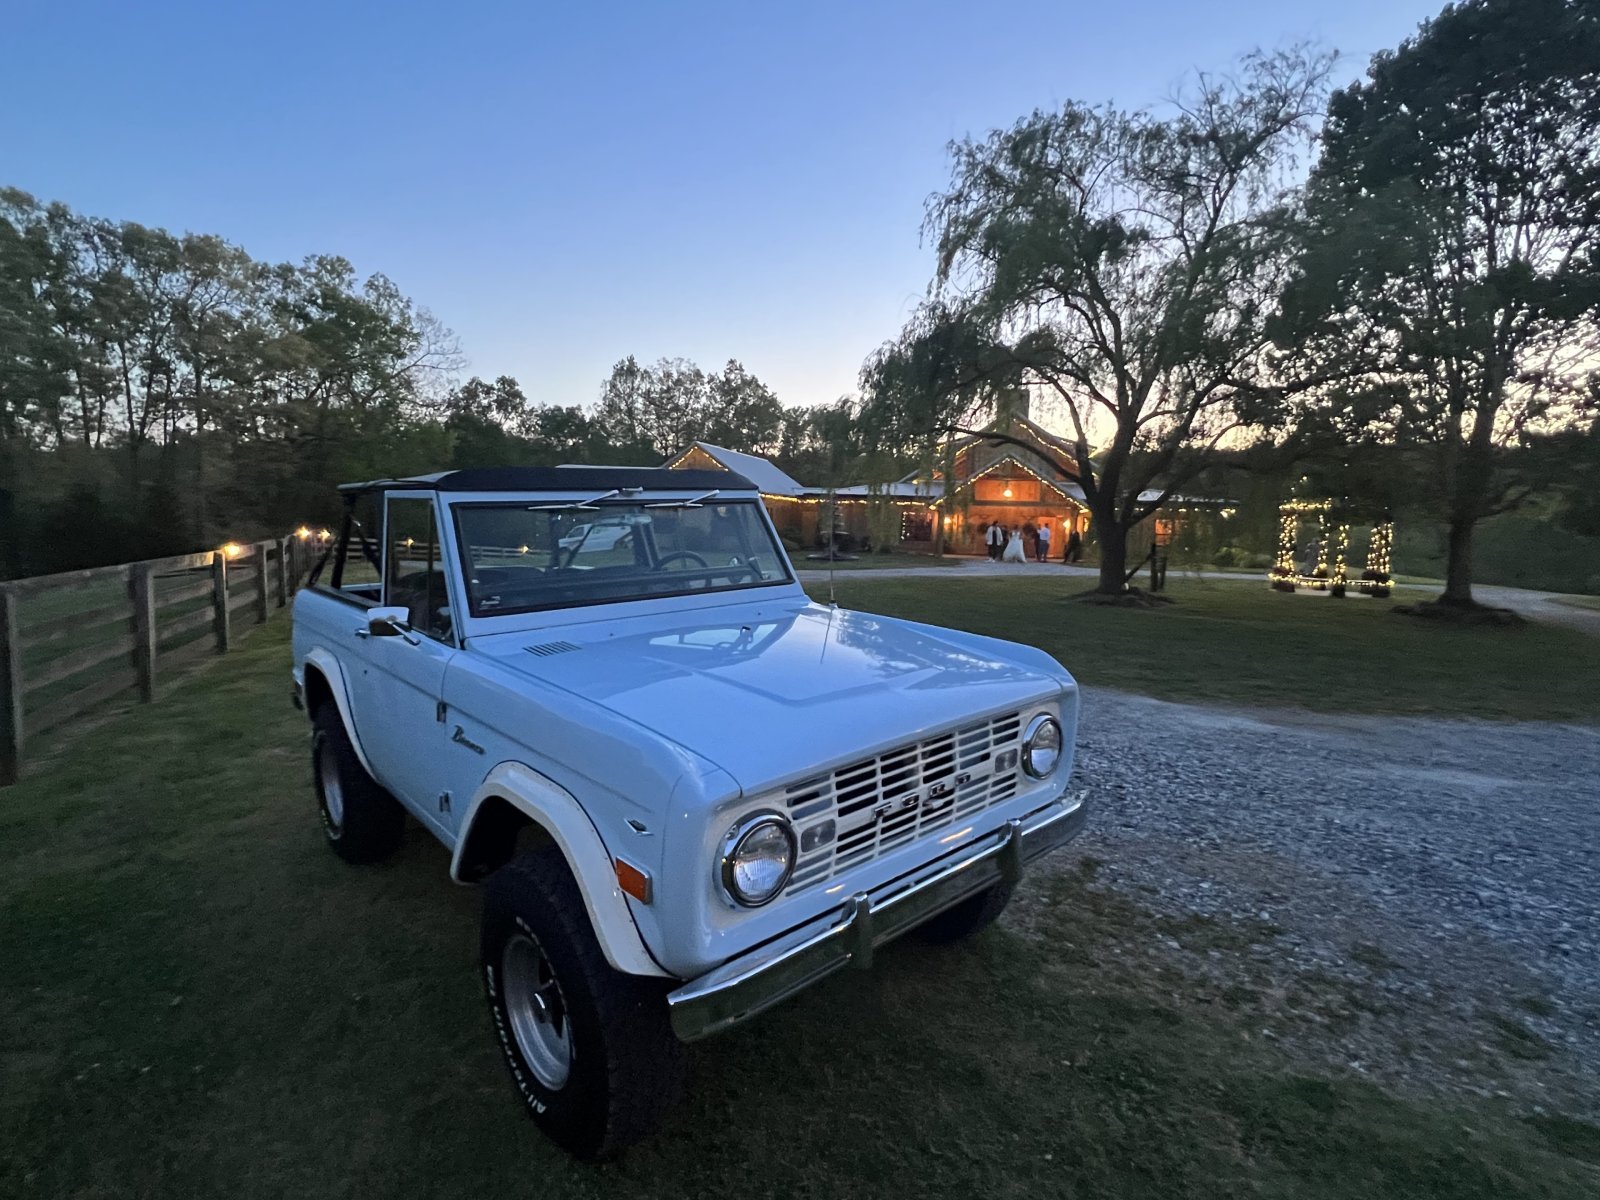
(688, 790)
(598, 535)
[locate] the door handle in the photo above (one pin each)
(410, 639)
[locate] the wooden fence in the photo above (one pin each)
(73, 641)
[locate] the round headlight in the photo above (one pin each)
(1041, 746)
(757, 856)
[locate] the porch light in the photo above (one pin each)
(232, 550)
(1007, 492)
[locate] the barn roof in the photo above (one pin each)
(767, 477)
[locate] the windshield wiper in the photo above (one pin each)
(590, 503)
(695, 503)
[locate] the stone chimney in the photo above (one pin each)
(1013, 402)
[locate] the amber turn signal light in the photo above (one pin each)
(633, 881)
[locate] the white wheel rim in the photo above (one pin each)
(537, 1011)
(332, 786)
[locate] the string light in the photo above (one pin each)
(1382, 547)
(1341, 543)
(1284, 575)
(996, 465)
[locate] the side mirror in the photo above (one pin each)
(388, 622)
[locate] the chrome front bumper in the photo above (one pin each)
(754, 982)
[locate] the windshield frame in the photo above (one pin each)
(594, 515)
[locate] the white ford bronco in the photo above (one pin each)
(688, 790)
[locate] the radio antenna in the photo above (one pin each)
(833, 543)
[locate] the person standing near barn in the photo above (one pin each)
(1074, 550)
(995, 537)
(1042, 540)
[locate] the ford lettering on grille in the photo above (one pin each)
(856, 813)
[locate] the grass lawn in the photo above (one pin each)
(198, 999)
(1239, 642)
(874, 561)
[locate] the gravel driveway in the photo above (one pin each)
(1444, 870)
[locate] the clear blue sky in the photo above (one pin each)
(565, 184)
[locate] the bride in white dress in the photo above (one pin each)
(1013, 551)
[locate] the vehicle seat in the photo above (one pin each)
(426, 598)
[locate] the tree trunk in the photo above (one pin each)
(1458, 571)
(1113, 539)
(1470, 478)
(202, 509)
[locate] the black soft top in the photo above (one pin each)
(559, 479)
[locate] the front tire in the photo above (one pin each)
(363, 823)
(968, 918)
(590, 1049)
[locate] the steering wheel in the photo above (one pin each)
(686, 554)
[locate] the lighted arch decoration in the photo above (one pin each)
(1331, 571)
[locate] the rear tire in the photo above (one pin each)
(590, 1049)
(363, 823)
(968, 918)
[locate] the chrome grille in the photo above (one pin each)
(856, 813)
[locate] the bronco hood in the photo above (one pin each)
(770, 695)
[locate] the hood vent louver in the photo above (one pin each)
(546, 649)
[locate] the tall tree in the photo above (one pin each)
(1456, 256)
(741, 413)
(660, 409)
(36, 353)
(1128, 262)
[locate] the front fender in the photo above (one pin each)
(560, 815)
(324, 661)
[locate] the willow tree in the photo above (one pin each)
(1456, 245)
(1129, 262)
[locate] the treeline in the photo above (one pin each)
(162, 392)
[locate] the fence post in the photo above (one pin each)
(283, 571)
(219, 601)
(261, 583)
(142, 591)
(10, 690)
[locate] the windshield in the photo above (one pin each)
(522, 557)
